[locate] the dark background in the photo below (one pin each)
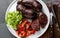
(4, 33)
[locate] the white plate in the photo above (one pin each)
(12, 7)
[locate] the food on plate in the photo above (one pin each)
(25, 29)
(27, 19)
(43, 19)
(13, 18)
(29, 8)
(35, 24)
(26, 12)
(32, 4)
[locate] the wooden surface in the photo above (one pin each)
(54, 28)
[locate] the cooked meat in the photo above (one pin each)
(28, 5)
(29, 8)
(33, 3)
(42, 19)
(29, 11)
(26, 12)
(37, 5)
(30, 14)
(32, 11)
(35, 24)
(35, 15)
(20, 7)
(19, 2)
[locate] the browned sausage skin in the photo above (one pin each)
(33, 4)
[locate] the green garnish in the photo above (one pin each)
(13, 18)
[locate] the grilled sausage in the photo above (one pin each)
(28, 13)
(33, 3)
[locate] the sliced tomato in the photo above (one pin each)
(20, 34)
(23, 33)
(32, 31)
(25, 28)
(28, 25)
(17, 32)
(28, 32)
(23, 23)
(21, 28)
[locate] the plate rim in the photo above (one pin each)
(9, 8)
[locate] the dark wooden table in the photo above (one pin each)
(54, 29)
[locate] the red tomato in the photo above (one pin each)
(28, 32)
(23, 23)
(23, 33)
(32, 31)
(20, 34)
(28, 25)
(25, 29)
(19, 25)
(21, 28)
(17, 32)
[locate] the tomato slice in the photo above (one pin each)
(17, 32)
(23, 33)
(32, 31)
(25, 28)
(23, 23)
(28, 33)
